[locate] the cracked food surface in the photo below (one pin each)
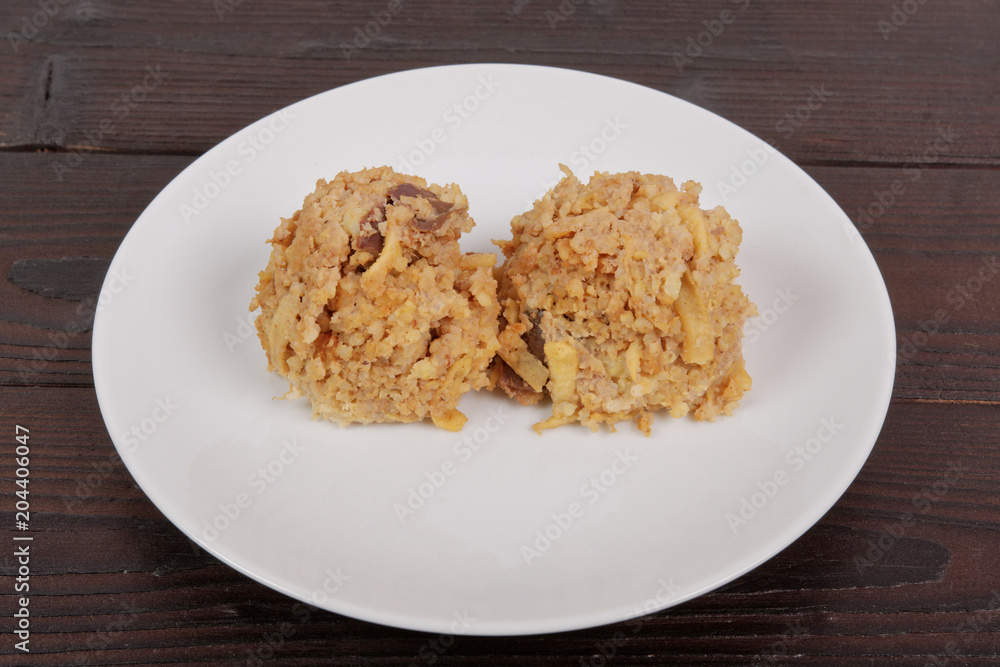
(618, 298)
(369, 308)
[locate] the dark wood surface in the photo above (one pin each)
(83, 152)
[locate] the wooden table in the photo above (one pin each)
(890, 106)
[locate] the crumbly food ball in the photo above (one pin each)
(618, 299)
(369, 308)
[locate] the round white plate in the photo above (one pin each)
(494, 530)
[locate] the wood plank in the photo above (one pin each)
(115, 582)
(761, 71)
(72, 230)
(22, 99)
(943, 278)
(931, 266)
(915, 210)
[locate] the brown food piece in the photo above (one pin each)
(441, 209)
(513, 385)
(435, 223)
(370, 238)
(368, 315)
(396, 194)
(625, 290)
(533, 337)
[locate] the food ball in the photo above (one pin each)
(618, 298)
(369, 308)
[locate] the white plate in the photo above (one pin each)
(619, 524)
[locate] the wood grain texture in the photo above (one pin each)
(71, 278)
(115, 583)
(46, 339)
(883, 96)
